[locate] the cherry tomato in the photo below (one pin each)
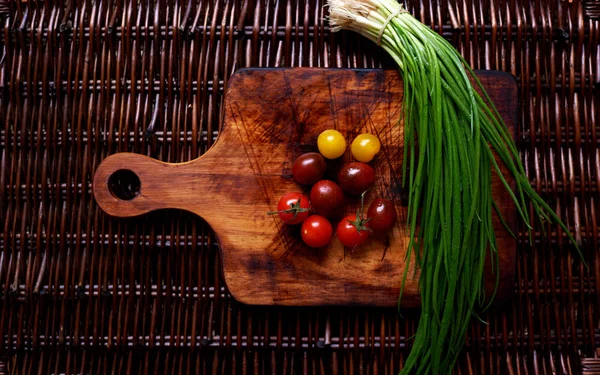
(316, 231)
(309, 168)
(355, 178)
(365, 147)
(331, 144)
(352, 231)
(382, 215)
(327, 198)
(292, 208)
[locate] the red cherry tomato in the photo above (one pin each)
(352, 232)
(293, 208)
(309, 168)
(355, 178)
(327, 198)
(382, 215)
(316, 231)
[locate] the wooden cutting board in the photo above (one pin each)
(271, 116)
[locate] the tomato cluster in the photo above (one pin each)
(325, 202)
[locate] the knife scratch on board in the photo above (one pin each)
(256, 170)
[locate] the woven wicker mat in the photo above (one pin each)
(85, 293)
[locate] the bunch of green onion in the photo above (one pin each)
(449, 175)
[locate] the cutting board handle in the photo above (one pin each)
(128, 184)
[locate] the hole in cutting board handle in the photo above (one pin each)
(124, 184)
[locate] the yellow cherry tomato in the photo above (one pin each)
(365, 147)
(331, 144)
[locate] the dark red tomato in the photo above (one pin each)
(293, 208)
(327, 198)
(309, 168)
(352, 232)
(355, 178)
(382, 215)
(316, 231)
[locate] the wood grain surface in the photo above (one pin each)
(272, 116)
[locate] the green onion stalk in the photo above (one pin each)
(448, 173)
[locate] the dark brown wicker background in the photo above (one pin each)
(85, 293)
